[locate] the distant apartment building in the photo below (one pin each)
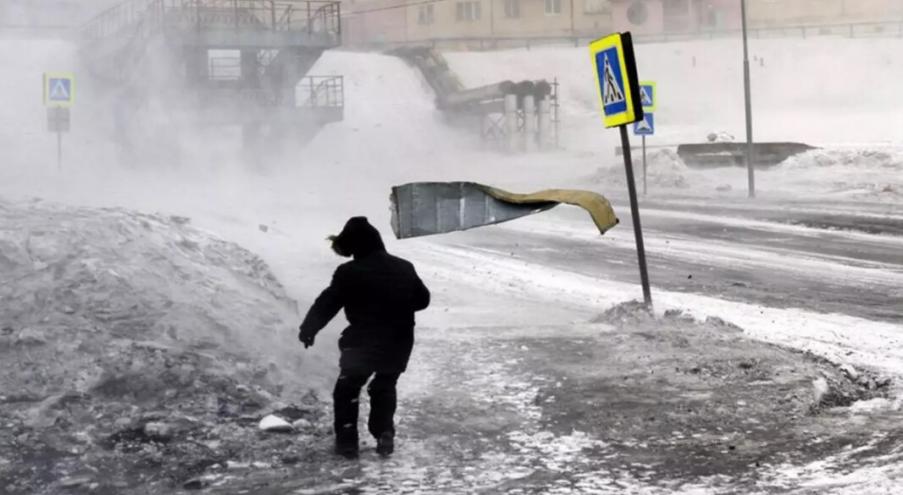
(765, 13)
(392, 21)
(47, 13)
(407, 21)
(50, 13)
(674, 16)
(689, 16)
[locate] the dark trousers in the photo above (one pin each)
(382, 405)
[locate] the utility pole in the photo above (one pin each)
(749, 132)
(573, 29)
(492, 19)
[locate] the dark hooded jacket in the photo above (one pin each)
(380, 294)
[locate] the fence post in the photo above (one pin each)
(544, 117)
(511, 122)
(313, 91)
(273, 13)
(530, 123)
(556, 116)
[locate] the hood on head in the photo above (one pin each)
(358, 238)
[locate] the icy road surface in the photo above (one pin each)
(513, 390)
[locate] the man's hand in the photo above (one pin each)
(307, 340)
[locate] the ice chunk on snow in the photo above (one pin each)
(274, 424)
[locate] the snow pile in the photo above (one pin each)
(664, 169)
(90, 283)
(127, 338)
(862, 158)
(857, 172)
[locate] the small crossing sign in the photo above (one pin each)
(59, 89)
(615, 69)
(648, 95)
(645, 127)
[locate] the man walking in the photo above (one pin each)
(380, 294)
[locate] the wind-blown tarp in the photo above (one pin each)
(428, 208)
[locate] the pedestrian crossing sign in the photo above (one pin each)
(616, 78)
(59, 89)
(645, 127)
(648, 95)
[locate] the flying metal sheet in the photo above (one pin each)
(428, 208)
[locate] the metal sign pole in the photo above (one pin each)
(635, 213)
(748, 97)
(644, 165)
(59, 95)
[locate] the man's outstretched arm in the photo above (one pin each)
(327, 305)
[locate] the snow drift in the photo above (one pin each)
(86, 282)
(126, 337)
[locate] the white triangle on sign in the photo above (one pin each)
(646, 97)
(58, 91)
(613, 92)
(643, 125)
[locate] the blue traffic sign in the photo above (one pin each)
(645, 127)
(613, 92)
(59, 89)
(648, 95)
(615, 69)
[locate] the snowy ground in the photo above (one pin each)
(814, 265)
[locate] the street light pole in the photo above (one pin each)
(749, 135)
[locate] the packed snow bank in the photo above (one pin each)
(863, 173)
(88, 281)
(663, 170)
(128, 338)
(855, 174)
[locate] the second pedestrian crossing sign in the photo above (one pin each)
(645, 127)
(59, 89)
(615, 69)
(648, 95)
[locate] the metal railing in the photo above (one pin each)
(119, 18)
(321, 91)
(315, 17)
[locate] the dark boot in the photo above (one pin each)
(348, 451)
(382, 411)
(345, 402)
(385, 444)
